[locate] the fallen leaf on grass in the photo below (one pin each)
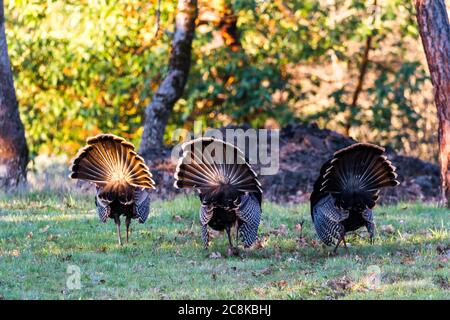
(101, 249)
(282, 230)
(15, 253)
(279, 284)
(389, 228)
(186, 232)
(302, 241)
(261, 242)
(260, 291)
(315, 243)
(215, 255)
(340, 284)
(44, 229)
(408, 261)
(264, 271)
(52, 237)
(299, 227)
(177, 218)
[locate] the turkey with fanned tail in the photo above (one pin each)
(229, 190)
(121, 177)
(347, 189)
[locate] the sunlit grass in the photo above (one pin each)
(42, 234)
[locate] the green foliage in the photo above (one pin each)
(81, 68)
(87, 67)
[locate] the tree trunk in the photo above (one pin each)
(434, 30)
(13, 147)
(172, 87)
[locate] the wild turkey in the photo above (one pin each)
(229, 190)
(347, 190)
(121, 177)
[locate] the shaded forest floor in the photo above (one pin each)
(42, 235)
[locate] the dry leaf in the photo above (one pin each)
(52, 237)
(282, 230)
(340, 284)
(44, 229)
(315, 243)
(15, 253)
(280, 284)
(215, 255)
(259, 291)
(389, 228)
(408, 261)
(302, 241)
(264, 271)
(261, 242)
(101, 249)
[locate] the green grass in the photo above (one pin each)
(41, 235)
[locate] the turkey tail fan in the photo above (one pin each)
(355, 174)
(316, 195)
(209, 164)
(112, 164)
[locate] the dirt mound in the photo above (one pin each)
(303, 150)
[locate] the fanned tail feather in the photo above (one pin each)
(354, 176)
(112, 164)
(209, 163)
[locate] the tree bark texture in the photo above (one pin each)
(434, 30)
(172, 86)
(13, 147)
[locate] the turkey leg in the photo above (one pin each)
(127, 225)
(117, 221)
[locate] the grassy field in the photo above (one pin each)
(42, 237)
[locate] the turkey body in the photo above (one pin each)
(229, 191)
(347, 190)
(223, 218)
(121, 177)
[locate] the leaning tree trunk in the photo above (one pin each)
(434, 30)
(172, 87)
(13, 147)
